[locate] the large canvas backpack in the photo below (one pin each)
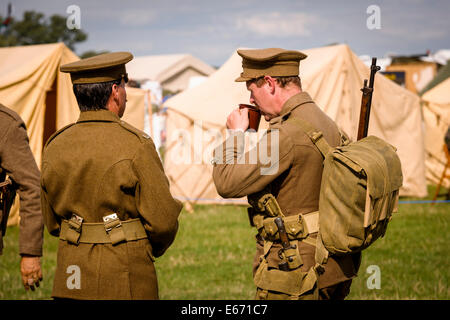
(359, 192)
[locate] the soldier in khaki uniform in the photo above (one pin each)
(104, 192)
(17, 161)
(292, 179)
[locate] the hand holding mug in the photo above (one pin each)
(238, 120)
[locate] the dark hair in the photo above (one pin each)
(283, 81)
(93, 96)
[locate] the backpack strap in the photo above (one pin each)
(315, 135)
(321, 255)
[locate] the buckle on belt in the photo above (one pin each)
(111, 221)
(113, 227)
(74, 232)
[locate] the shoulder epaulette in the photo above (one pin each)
(11, 113)
(140, 134)
(53, 136)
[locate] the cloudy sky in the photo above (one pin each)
(212, 30)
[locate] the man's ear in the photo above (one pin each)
(115, 90)
(270, 84)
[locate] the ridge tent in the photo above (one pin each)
(332, 76)
(436, 113)
(32, 85)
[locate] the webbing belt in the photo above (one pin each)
(97, 233)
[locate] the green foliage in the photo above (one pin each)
(91, 53)
(34, 28)
(167, 92)
(155, 108)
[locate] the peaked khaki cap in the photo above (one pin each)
(101, 68)
(275, 62)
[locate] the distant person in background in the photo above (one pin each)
(18, 171)
(151, 109)
(159, 130)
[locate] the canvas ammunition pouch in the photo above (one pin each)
(359, 192)
(291, 283)
(112, 230)
(298, 227)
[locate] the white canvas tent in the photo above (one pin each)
(173, 71)
(436, 113)
(32, 85)
(332, 76)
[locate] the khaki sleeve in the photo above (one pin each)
(51, 219)
(154, 200)
(238, 172)
(19, 163)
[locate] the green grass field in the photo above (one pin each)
(212, 255)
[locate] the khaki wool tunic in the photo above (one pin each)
(296, 183)
(17, 161)
(98, 166)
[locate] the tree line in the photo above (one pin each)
(35, 28)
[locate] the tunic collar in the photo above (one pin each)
(291, 104)
(98, 115)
